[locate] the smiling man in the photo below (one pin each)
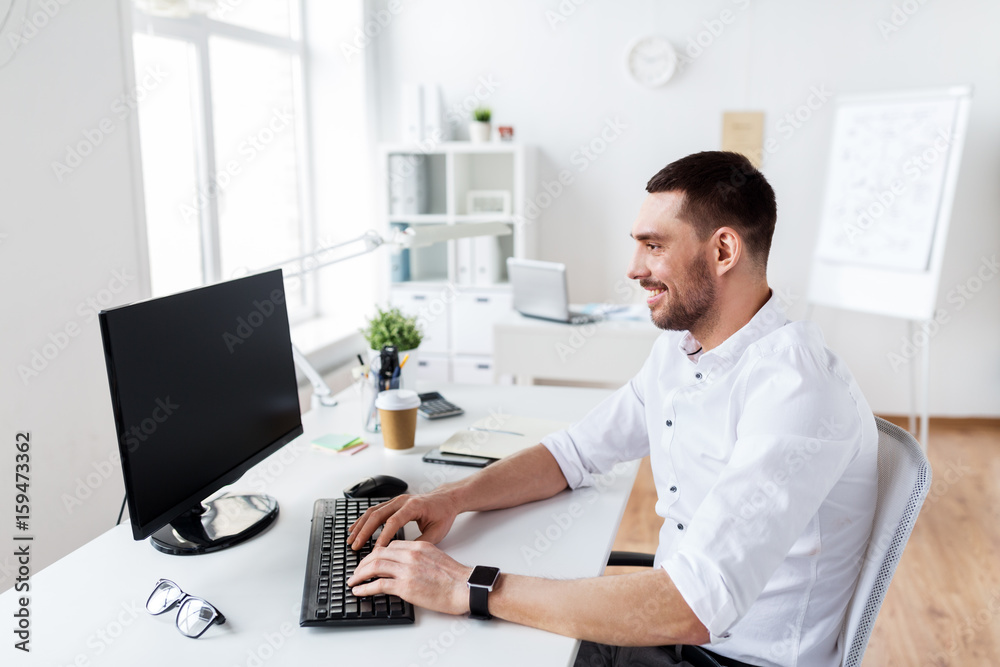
(763, 452)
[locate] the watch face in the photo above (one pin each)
(484, 576)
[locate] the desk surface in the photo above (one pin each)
(88, 608)
(612, 351)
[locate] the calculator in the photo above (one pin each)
(434, 406)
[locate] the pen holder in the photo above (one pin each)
(369, 392)
(370, 388)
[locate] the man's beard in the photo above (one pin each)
(691, 303)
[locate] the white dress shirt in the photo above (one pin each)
(763, 452)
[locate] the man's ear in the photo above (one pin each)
(727, 249)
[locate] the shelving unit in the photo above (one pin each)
(457, 289)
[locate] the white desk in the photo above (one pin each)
(88, 608)
(611, 351)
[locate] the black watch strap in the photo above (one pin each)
(481, 582)
(479, 606)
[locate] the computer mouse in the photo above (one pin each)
(379, 486)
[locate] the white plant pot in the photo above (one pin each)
(408, 374)
(479, 132)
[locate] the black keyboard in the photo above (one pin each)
(326, 598)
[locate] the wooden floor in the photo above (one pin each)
(943, 606)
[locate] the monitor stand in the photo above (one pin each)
(216, 524)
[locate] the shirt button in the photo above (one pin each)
(697, 376)
(669, 423)
(680, 526)
(673, 489)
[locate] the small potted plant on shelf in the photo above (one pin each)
(392, 327)
(479, 129)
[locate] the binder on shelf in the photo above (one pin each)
(408, 184)
(412, 113)
(435, 125)
(486, 260)
(464, 261)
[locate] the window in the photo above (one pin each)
(223, 137)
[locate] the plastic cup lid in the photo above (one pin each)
(397, 399)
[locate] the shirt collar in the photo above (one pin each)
(768, 319)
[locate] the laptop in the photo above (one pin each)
(540, 291)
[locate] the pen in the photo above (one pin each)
(493, 430)
(403, 362)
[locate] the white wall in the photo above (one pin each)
(559, 82)
(64, 244)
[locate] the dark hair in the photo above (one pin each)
(723, 189)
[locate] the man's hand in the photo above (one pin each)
(434, 513)
(418, 572)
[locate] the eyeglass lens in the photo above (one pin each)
(194, 617)
(164, 596)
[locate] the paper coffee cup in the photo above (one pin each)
(397, 411)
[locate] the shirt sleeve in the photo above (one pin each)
(612, 432)
(801, 424)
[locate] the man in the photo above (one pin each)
(763, 452)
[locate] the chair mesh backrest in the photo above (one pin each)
(904, 478)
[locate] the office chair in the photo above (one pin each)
(904, 478)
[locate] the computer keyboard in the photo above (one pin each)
(326, 598)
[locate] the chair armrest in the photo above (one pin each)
(630, 558)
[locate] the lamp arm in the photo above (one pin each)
(322, 394)
(372, 240)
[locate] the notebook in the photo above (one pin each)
(496, 438)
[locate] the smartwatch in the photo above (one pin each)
(481, 583)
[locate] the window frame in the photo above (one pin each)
(197, 30)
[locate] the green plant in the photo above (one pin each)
(482, 114)
(391, 327)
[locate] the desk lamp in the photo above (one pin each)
(415, 236)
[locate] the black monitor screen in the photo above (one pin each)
(203, 386)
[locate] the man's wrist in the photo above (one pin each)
(456, 495)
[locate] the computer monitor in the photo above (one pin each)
(203, 388)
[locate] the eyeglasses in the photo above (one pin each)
(194, 616)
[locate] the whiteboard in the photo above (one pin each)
(890, 184)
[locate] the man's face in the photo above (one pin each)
(672, 264)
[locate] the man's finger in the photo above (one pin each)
(370, 524)
(369, 513)
(377, 566)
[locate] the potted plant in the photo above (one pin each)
(392, 327)
(479, 129)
